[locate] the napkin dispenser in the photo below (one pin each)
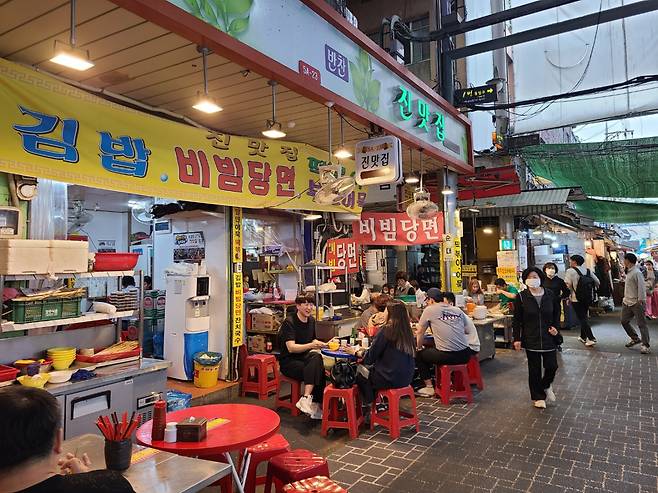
(191, 430)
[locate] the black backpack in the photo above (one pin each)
(343, 374)
(586, 288)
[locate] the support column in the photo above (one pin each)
(500, 70)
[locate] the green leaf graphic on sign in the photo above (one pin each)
(372, 103)
(238, 26)
(366, 88)
(237, 7)
(193, 7)
(225, 15)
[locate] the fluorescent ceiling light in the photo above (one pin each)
(447, 191)
(487, 231)
(273, 130)
(312, 217)
(474, 210)
(207, 104)
(412, 179)
(342, 153)
(71, 57)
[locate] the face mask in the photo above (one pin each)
(533, 282)
(550, 272)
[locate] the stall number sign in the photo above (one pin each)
(237, 331)
(375, 228)
(378, 161)
(426, 120)
(343, 254)
(506, 244)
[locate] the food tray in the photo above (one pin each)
(115, 261)
(7, 373)
(99, 358)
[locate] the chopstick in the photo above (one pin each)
(113, 430)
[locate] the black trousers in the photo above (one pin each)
(427, 358)
(308, 368)
(369, 386)
(582, 314)
(539, 380)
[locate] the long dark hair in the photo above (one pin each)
(397, 329)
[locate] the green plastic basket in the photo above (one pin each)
(52, 309)
(71, 307)
(26, 311)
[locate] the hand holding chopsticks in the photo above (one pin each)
(116, 431)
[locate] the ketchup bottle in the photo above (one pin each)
(159, 421)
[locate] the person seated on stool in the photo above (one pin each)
(389, 362)
(449, 327)
(368, 322)
(32, 436)
(298, 360)
(471, 333)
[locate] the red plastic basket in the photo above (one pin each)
(7, 373)
(115, 261)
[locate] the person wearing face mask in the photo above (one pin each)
(536, 318)
(556, 285)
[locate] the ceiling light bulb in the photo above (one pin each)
(273, 130)
(474, 210)
(342, 153)
(412, 179)
(447, 191)
(312, 217)
(206, 104)
(71, 57)
(487, 231)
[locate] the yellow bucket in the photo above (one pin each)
(205, 376)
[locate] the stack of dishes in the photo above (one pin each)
(62, 357)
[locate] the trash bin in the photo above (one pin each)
(206, 368)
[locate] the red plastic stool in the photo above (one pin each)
(258, 454)
(474, 373)
(263, 385)
(391, 418)
(350, 418)
(288, 401)
(294, 466)
(452, 382)
(318, 484)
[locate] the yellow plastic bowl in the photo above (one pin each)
(63, 365)
(38, 380)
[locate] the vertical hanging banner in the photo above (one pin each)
(342, 254)
(237, 309)
(456, 284)
(236, 240)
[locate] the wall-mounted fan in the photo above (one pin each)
(78, 217)
(333, 186)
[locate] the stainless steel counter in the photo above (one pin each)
(328, 329)
(110, 374)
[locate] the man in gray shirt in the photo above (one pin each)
(634, 304)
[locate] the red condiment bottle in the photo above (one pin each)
(159, 421)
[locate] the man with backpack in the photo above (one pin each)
(634, 305)
(583, 284)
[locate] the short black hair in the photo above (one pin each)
(304, 298)
(401, 275)
(148, 279)
(29, 421)
(550, 264)
(450, 297)
(578, 259)
(127, 281)
(537, 270)
(500, 282)
(631, 257)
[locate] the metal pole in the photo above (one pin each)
(500, 70)
(445, 62)
(73, 38)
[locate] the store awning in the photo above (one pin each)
(552, 200)
(607, 211)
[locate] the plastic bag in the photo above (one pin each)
(207, 358)
(177, 400)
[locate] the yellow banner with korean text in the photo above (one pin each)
(53, 130)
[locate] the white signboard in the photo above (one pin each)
(378, 161)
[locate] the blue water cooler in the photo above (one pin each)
(186, 322)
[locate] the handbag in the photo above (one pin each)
(343, 374)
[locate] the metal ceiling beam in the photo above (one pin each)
(496, 18)
(558, 28)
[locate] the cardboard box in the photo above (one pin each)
(264, 323)
(256, 343)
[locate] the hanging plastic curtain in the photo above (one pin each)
(49, 211)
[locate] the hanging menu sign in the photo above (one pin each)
(397, 229)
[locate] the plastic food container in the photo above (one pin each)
(115, 261)
(38, 380)
(7, 373)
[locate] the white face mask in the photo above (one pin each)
(533, 282)
(550, 272)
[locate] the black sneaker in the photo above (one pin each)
(633, 342)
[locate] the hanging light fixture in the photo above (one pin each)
(273, 127)
(312, 217)
(342, 152)
(446, 189)
(204, 102)
(68, 55)
(411, 178)
(488, 230)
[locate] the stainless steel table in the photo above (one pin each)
(163, 472)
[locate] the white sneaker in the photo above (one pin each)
(540, 404)
(645, 349)
(582, 340)
(305, 404)
(550, 396)
(426, 392)
(317, 412)
(590, 343)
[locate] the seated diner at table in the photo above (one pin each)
(471, 332)
(389, 361)
(474, 292)
(369, 323)
(506, 292)
(31, 437)
(298, 360)
(449, 328)
(403, 286)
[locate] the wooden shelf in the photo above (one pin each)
(88, 317)
(78, 275)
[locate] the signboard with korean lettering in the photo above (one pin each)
(189, 247)
(237, 236)
(448, 247)
(289, 31)
(375, 228)
(56, 131)
(343, 254)
(456, 282)
(476, 95)
(378, 161)
(237, 311)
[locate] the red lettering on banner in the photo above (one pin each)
(397, 229)
(230, 174)
(259, 174)
(342, 254)
(285, 181)
(193, 168)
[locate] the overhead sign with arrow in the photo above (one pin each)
(476, 95)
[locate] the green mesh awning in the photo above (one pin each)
(622, 168)
(617, 212)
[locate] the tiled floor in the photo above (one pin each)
(599, 437)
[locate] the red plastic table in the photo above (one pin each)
(247, 425)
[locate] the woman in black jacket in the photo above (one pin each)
(536, 318)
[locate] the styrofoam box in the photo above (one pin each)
(68, 256)
(24, 256)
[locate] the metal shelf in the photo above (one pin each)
(76, 275)
(88, 317)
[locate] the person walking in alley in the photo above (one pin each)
(582, 283)
(536, 318)
(634, 305)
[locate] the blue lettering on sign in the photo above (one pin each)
(124, 155)
(35, 142)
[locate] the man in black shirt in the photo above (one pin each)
(298, 361)
(31, 438)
